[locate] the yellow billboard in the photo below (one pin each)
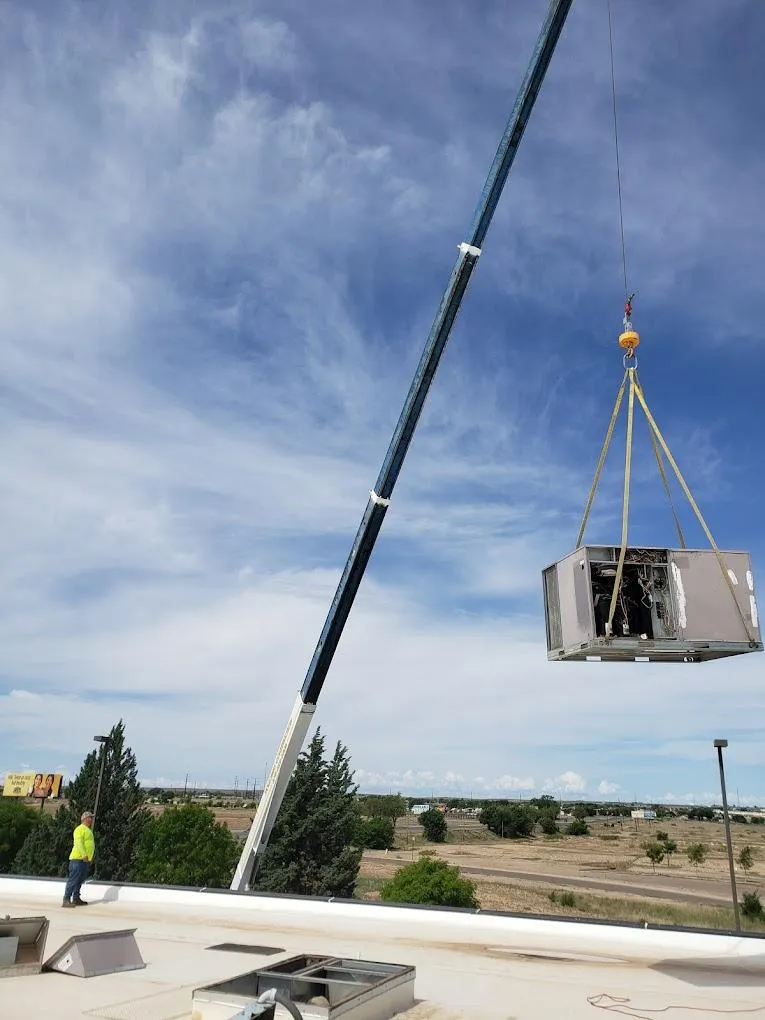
(32, 784)
(19, 784)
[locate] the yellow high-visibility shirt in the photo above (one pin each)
(84, 844)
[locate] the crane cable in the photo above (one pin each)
(630, 351)
(618, 163)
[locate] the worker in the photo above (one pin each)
(80, 860)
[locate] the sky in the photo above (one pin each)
(226, 228)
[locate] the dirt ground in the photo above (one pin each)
(607, 849)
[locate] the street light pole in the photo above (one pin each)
(720, 744)
(104, 742)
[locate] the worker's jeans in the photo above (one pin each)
(78, 872)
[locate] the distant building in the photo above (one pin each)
(420, 809)
(645, 814)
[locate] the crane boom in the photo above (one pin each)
(379, 497)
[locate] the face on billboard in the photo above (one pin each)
(47, 784)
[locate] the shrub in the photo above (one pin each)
(578, 828)
(563, 899)
(751, 906)
(431, 881)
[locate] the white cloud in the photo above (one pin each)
(511, 783)
(567, 782)
(605, 787)
(215, 298)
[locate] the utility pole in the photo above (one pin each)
(720, 744)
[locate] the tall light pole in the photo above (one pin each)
(104, 742)
(720, 744)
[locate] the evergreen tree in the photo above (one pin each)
(45, 851)
(121, 819)
(17, 820)
(311, 851)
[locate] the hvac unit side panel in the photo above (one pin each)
(575, 600)
(704, 606)
(552, 608)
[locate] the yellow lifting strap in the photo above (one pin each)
(659, 444)
(601, 461)
(694, 507)
(625, 503)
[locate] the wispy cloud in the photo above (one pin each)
(226, 233)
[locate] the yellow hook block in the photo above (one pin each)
(629, 340)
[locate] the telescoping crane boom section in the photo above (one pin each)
(379, 497)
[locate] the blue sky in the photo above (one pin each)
(226, 228)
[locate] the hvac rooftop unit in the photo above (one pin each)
(673, 605)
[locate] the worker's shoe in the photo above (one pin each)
(67, 903)
(80, 903)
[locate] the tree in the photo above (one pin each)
(545, 803)
(430, 881)
(670, 847)
(580, 812)
(746, 859)
(434, 826)
(511, 821)
(655, 853)
(547, 822)
(391, 806)
(578, 828)
(186, 846)
(311, 851)
(701, 814)
(376, 833)
(696, 853)
(17, 820)
(122, 817)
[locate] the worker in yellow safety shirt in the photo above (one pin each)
(80, 859)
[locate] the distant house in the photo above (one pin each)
(420, 809)
(645, 814)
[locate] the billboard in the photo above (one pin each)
(33, 784)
